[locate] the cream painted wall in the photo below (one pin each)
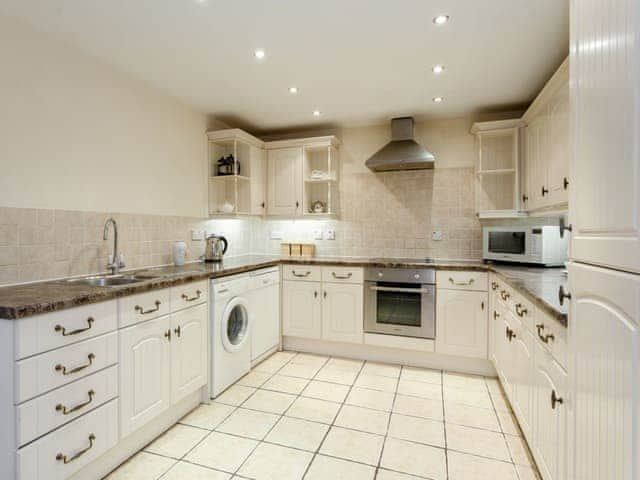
(76, 134)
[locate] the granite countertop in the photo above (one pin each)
(18, 301)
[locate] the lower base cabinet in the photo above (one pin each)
(342, 310)
(461, 323)
(301, 309)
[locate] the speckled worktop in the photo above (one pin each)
(18, 301)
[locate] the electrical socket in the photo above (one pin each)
(317, 234)
(275, 235)
(436, 236)
(330, 234)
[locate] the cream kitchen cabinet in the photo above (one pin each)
(302, 309)
(284, 181)
(342, 312)
(461, 323)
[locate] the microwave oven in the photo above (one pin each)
(540, 245)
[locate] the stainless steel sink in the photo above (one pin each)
(111, 280)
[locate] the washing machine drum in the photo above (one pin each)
(235, 324)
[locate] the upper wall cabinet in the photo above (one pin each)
(497, 187)
(237, 173)
(302, 177)
(546, 152)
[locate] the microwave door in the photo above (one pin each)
(511, 243)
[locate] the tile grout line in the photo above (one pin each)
(444, 421)
(386, 435)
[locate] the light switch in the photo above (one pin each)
(197, 235)
(330, 234)
(436, 236)
(275, 235)
(317, 234)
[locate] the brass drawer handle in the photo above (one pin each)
(61, 368)
(60, 328)
(504, 295)
(187, 298)
(301, 275)
(544, 338)
(342, 277)
(63, 458)
(140, 309)
(462, 284)
(520, 311)
(555, 399)
(61, 408)
(494, 285)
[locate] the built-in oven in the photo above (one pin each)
(400, 301)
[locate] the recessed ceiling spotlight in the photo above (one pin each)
(438, 99)
(259, 54)
(441, 19)
(293, 90)
(438, 68)
(316, 113)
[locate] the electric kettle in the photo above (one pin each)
(216, 247)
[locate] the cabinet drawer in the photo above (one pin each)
(264, 278)
(42, 373)
(143, 306)
(78, 444)
(522, 309)
(552, 336)
(189, 294)
(462, 280)
(47, 412)
(342, 274)
(40, 333)
(307, 273)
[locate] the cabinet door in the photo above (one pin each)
(558, 165)
(301, 309)
(265, 320)
(258, 181)
(461, 323)
(145, 373)
(522, 345)
(188, 351)
(342, 315)
(604, 203)
(603, 368)
(536, 162)
(284, 182)
(549, 417)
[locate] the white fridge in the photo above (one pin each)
(603, 405)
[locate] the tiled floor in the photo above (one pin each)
(306, 416)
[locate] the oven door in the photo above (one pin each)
(400, 309)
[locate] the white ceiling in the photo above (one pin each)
(358, 61)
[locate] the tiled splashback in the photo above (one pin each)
(44, 244)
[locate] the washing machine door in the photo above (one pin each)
(235, 325)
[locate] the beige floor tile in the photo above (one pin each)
(310, 359)
(509, 424)
(254, 378)
(465, 382)
(299, 370)
(281, 383)
(420, 389)
(188, 471)
(326, 391)
(471, 416)
(358, 418)
(142, 466)
(248, 423)
(208, 416)
(267, 401)
(274, 363)
(235, 395)
(389, 475)
(465, 467)
(273, 462)
(298, 433)
(352, 445)
(527, 473)
(222, 452)
(314, 410)
(500, 402)
(383, 369)
(177, 441)
(375, 399)
(519, 450)
(419, 430)
(418, 407)
(324, 468)
(473, 398)
(376, 382)
(403, 457)
(421, 375)
(345, 364)
(477, 442)
(337, 375)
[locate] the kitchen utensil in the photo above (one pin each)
(318, 207)
(216, 247)
(228, 166)
(226, 207)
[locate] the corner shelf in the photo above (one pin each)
(323, 158)
(499, 171)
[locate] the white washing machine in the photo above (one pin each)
(230, 332)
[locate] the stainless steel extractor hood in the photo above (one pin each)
(402, 152)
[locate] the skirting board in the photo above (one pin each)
(130, 445)
(475, 366)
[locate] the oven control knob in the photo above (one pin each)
(380, 274)
(417, 276)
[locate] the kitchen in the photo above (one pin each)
(248, 259)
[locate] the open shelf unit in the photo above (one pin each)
(320, 173)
